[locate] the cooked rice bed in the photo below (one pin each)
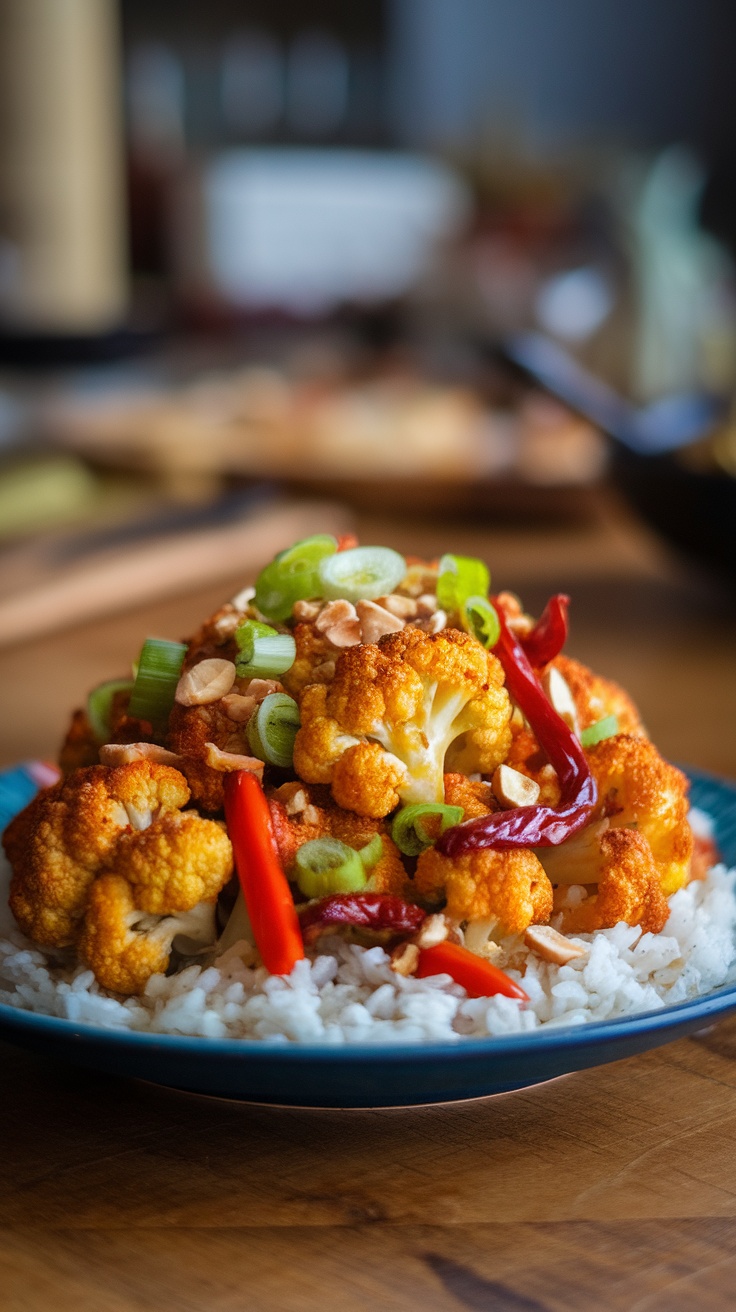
(348, 994)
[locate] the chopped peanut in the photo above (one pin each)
(306, 610)
(205, 682)
(376, 622)
(436, 622)
(434, 930)
(547, 943)
(347, 633)
(238, 708)
(405, 608)
(334, 613)
(124, 753)
(405, 958)
(226, 761)
(512, 788)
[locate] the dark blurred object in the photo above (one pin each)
(666, 456)
(664, 425)
(51, 350)
(693, 508)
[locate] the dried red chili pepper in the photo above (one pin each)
(549, 635)
(364, 910)
(532, 826)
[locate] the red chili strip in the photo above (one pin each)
(264, 884)
(478, 977)
(532, 826)
(364, 910)
(549, 635)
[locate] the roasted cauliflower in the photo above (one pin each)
(510, 888)
(124, 821)
(627, 883)
(399, 713)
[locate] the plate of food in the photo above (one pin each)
(369, 838)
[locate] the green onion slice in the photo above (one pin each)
(159, 668)
(595, 733)
(361, 573)
(293, 576)
(262, 652)
(371, 854)
(325, 866)
(408, 832)
(460, 578)
(99, 706)
(480, 619)
(272, 729)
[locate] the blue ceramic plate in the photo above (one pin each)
(319, 1076)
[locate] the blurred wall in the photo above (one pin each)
(564, 71)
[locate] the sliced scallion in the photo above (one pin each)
(262, 652)
(408, 832)
(461, 577)
(159, 668)
(371, 854)
(361, 573)
(272, 729)
(480, 619)
(99, 706)
(293, 576)
(596, 733)
(325, 866)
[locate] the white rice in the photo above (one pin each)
(348, 994)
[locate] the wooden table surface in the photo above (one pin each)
(609, 1189)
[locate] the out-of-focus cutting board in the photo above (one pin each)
(43, 590)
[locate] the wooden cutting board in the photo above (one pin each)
(43, 590)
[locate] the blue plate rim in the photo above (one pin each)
(592, 1033)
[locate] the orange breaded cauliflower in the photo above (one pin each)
(595, 697)
(296, 820)
(314, 661)
(639, 832)
(628, 887)
(125, 945)
(69, 833)
(508, 887)
(123, 821)
(637, 789)
(397, 713)
(178, 861)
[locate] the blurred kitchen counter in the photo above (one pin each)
(638, 615)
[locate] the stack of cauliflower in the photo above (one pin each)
(397, 705)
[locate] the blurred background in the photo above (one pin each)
(451, 266)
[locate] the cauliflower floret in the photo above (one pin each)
(314, 661)
(396, 713)
(508, 887)
(177, 862)
(68, 834)
(527, 757)
(629, 887)
(595, 697)
(637, 789)
(311, 821)
(473, 795)
(125, 945)
(640, 820)
(105, 850)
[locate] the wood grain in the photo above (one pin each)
(611, 1189)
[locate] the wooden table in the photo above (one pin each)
(609, 1189)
